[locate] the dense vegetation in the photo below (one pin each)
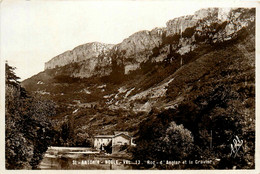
(28, 131)
(216, 106)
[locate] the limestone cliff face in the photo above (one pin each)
(203, 16)
(95, 66)
(207, 25)
(180, 36)
(83, 52)
(137, 48)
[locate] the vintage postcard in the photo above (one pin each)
(129, 86)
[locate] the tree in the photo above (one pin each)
(177, 142)
(28, 131)
(10, 77)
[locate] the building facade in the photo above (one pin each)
(102, 140)
(118, 139)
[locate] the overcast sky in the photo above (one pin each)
(33, 32)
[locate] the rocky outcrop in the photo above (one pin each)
(205, 16)
(212, 24)
(83, 52)
(94, 66)
(180, 36)
(138, 47)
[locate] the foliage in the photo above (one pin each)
(10, 77)
(161, 139)
(149, 138)
(66, 79)
(117, 74)
(216, 103)
(28, 130)
(188, 32)
(177, 142)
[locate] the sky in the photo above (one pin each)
(33, 32)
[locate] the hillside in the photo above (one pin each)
(196, 71)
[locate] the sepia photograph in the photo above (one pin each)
(128, 85)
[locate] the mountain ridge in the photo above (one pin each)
(79, 53)
(180, 36)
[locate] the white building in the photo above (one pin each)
(102, 140)
(118, 139)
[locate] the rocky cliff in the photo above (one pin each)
(89, 51)
(180, 36)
